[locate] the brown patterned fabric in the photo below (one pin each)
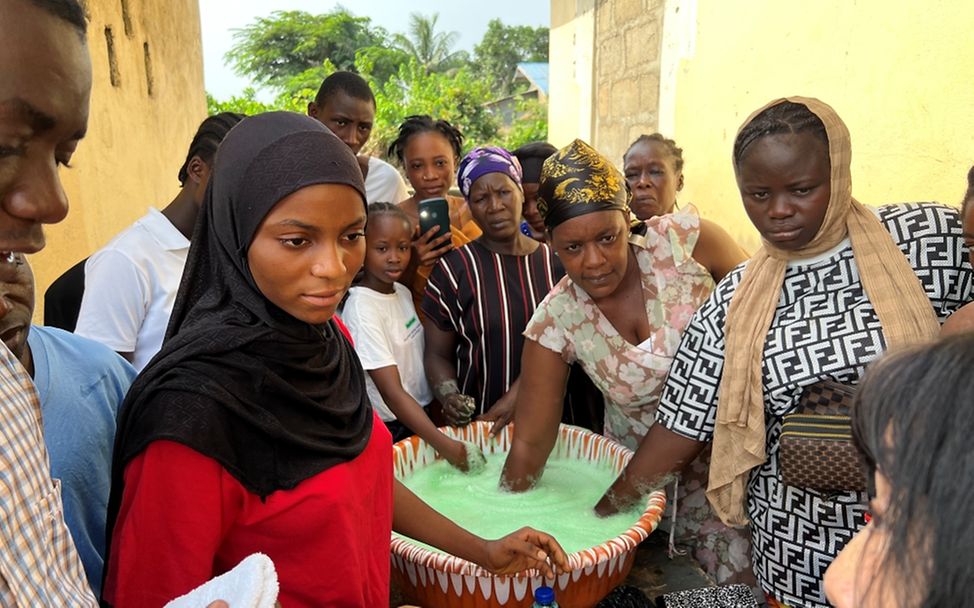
(816, 449)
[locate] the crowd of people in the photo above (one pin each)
(231, 371)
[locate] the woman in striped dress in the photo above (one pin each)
(480, 296)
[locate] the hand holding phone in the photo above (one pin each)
(434, 212)
(434, 237)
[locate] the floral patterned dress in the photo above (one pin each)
(631, 377)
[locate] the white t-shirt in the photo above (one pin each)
(387, 331)
(384, 184)
(130, 287)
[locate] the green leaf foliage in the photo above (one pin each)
(245, 103)
(505, 46)
(273, 49)
(432, 50)
(291, 52)
(457, 97)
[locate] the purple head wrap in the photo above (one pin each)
(484, 160)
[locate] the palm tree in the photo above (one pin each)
(432, 50)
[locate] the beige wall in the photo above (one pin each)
(604, 62)
(571, 58)
(627, 73)
(899, 75)
(136, 142)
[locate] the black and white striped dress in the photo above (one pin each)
(487, 299)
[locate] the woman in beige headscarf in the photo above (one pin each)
(834, 285)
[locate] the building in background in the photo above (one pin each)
(897, 74)
(530, 84)
(147, 101)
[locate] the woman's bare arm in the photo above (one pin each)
(717, 251)
(661, 454)
(515, 552)
(537, 414)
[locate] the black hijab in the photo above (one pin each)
(273, 399)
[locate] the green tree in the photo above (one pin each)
(505, 46)
(380, 62)
(457, 97)
(530, 125)
(245, 103)
(432, 50)
(291, 52)
(274, 49)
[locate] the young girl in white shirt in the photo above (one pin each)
(388, 335)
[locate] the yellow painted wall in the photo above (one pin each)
(898, 73)
(136, 142)
(571, 62)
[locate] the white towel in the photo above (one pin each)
(251, 584)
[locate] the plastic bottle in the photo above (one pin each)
(544, 597)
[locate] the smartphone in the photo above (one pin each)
(434, 212)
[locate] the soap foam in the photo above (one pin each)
(560, 504)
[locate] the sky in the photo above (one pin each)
(220, 17)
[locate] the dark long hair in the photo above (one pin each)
(913, 420)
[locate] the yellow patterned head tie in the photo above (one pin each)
(577, 180)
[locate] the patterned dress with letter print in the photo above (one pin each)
(824, 326)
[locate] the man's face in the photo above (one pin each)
(45, 83)
(16, 302)
(347, 117)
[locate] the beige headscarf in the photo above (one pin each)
(903, 308)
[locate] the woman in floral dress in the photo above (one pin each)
(620, 313)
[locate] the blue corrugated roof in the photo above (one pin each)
(537, 73)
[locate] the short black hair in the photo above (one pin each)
(423, 123)
(69, 10)
(349, 83)
(785, 117)
(536, 149)
(675, 151)
(532, 156)
(208, 138)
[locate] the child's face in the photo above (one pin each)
(430, 164)
(389, 247)
(308, 249)
(530, 208)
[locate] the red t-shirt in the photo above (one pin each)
(184, 519)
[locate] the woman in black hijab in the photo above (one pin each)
(250, 431)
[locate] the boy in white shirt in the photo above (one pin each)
(346, 105)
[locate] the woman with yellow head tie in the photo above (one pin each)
(619, 313)
(834, 285)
